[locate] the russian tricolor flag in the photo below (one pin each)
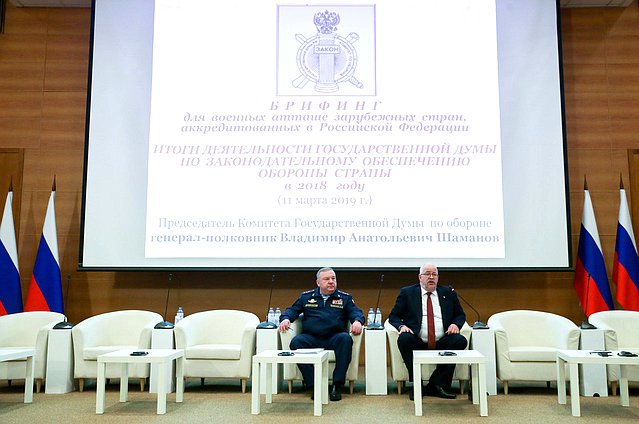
(45, 290)
(625, 271)
(10, 291)
(591, 280)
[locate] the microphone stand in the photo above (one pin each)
(586, 325)
(477, 325)
(166, 325)
(266, 324)
(375, 325)
(65, 325)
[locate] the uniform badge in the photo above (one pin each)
(338, 302)
(312, 301)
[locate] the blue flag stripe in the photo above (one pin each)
(10, 291)
(593, 261)
(47, 274)
(626, 254)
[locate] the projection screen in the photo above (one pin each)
(258, 134)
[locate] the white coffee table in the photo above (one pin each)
(477, 363)
(161, 357)
(575, 357)
(10, 354)
(268, 358)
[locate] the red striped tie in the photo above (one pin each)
(430, 319)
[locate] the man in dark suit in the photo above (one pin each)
(410, 317)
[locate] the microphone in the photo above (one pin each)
(166, 325)
(477, 325)
(375, 325)
(65, 325)
(586, 325)
(265, 324)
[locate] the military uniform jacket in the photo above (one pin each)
(324, 319)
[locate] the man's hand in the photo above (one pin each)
(452, 329)
(405, 329)
(284, 325)
(356, 328)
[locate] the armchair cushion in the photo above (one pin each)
(621, 332)
(526, 343)
(291, 372)
(399, 372)
(108, 332)
(26, 330)
(218, 343)
(214, 351)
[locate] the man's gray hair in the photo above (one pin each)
(326, 268)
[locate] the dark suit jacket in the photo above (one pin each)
(408, 308)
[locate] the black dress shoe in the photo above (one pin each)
(335, 392)
(438, 391)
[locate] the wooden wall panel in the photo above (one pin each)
(43, 77)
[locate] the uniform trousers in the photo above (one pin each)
(340, 343)
(443, 374)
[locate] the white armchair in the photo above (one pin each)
(292, 373)
(108, 332)
(526, 344)
(399, 372)
(621, 332)
(217, 344)
(27, 330)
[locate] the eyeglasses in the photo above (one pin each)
(429, 274)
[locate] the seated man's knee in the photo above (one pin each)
(344, 338)
(298, 342)
(459, 342)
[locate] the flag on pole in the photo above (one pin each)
(591, 280)
(625, 271)
(10, 291)
(45, 289)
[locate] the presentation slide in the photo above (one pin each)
(362, 134)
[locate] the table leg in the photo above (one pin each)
(161, 369)
(417, 388)
(483, 398)
(475, 383)
(325, 381)
(124, 382)
(318, 383)
(561, 381)
(623, 386)
(269, 382)
(179, 379)
(28, 380)
(99, 396)
(255, 387)
(574, 389)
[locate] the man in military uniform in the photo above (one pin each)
(326, 313)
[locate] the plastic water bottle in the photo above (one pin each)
(278, 312)
(179, 315)
(271, 315)
(378, 317)
(371, 316)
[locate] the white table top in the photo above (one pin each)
(297, 357)
(154, 355)
(461, 357)
(10, 353)
(586, 357)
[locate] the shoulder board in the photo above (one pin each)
(308, 291)
(343, 292)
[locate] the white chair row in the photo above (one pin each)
(220, 344)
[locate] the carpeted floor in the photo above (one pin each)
(223, 402)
